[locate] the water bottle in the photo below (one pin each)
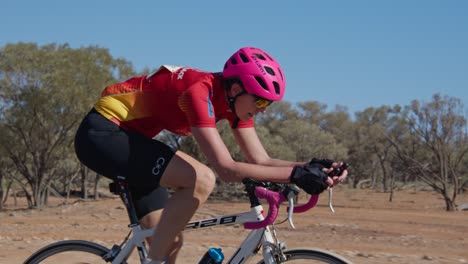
(212, 256)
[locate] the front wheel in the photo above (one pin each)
(310, 256)
(69, 251)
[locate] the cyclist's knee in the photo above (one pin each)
(205, 182)
(185, 172)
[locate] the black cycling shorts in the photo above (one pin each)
(109, 150)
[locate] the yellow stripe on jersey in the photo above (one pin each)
(123, 107)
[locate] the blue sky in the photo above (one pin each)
(354, 53)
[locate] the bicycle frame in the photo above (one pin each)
(249, 247)
(260, 236)
(263, 234)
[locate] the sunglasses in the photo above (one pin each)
(261, 103)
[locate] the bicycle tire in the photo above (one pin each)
(67, 246)
(319, 255)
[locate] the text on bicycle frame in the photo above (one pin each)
(212, 222)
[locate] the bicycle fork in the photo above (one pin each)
(272, 248)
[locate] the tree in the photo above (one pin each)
(6, 179)
(275, 114)
(300, 132)
(308, 141)
(437, 145)
(371, 122)
(45, 92)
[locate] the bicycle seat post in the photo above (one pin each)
(120, 187)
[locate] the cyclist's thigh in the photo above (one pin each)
(185, 171)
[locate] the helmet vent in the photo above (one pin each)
(233, 61)
(277, 87)
(260, 56)
(270, 70)
(244, 58)
(279, 70)
(262, 83)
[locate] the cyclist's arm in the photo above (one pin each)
(230, 170)
(254, 151)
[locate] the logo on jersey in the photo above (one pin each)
(158, 166)
(210, 105)
(181, 73)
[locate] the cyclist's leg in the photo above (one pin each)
(111, 151)
(193, 182)
(149, 207)
(148, 164)
(151, 220)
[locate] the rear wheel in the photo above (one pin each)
(310, 256)
(70, 251)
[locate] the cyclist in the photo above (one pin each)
(116, 139)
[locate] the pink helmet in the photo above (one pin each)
(260, 73)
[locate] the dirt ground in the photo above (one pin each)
(366, 228)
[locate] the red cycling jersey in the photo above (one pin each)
(172, 98)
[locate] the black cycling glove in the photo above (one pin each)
(323, 163)
(309, 178)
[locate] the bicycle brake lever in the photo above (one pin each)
(330, 199)
(291, 196)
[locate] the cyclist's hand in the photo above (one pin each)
(337, 173)
(311, 179)
(322, 163)
(335, 170)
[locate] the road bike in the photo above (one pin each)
(263, 235)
